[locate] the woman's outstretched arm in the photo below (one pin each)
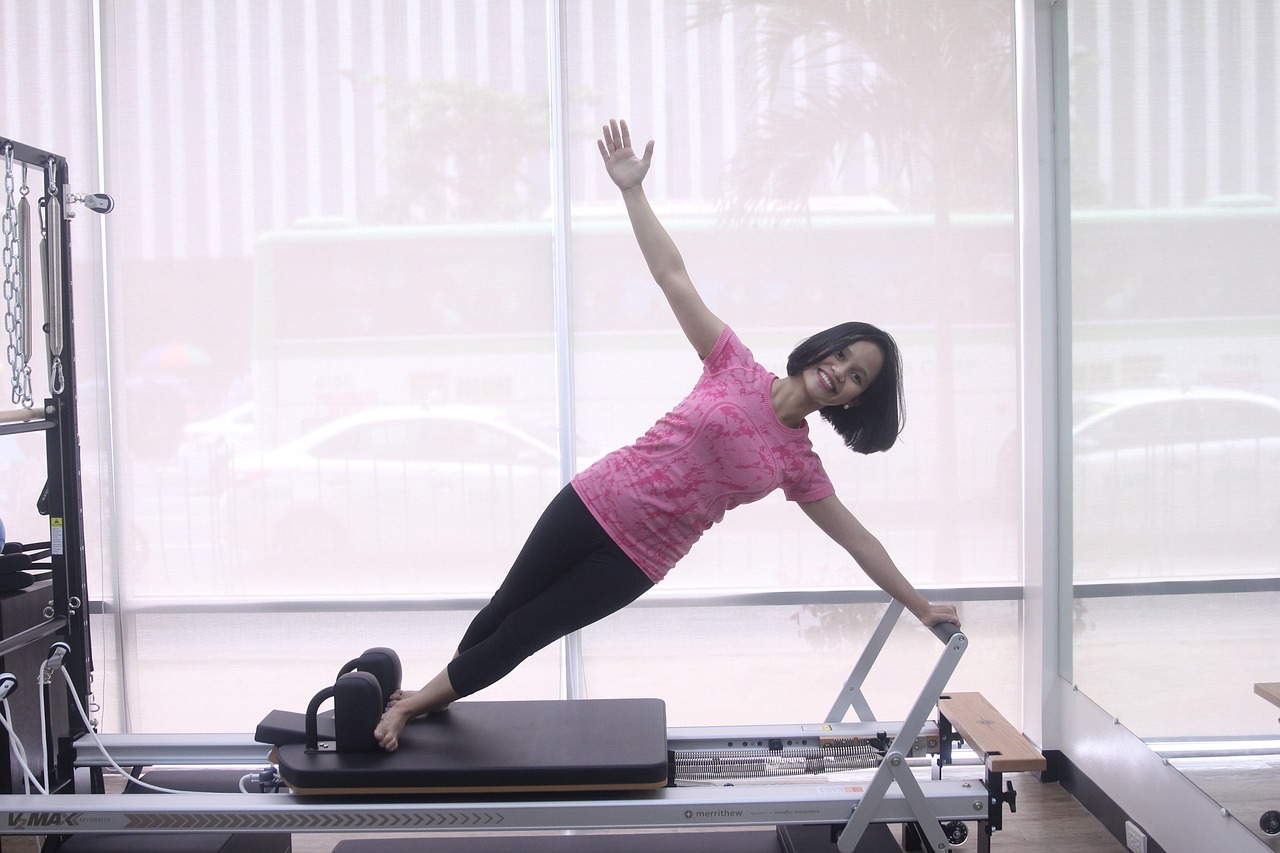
(699, 325)
(837, 522)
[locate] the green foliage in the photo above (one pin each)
(480, 153)
(932, 102)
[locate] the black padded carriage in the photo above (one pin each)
(494, 747)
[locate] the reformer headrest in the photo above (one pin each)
(383, 664)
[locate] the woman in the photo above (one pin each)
(623, 523)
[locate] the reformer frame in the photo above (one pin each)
(66, 617)
(893, 795)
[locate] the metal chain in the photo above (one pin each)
(15, 311)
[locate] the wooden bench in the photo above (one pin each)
(1269, 691)
(1003, 748)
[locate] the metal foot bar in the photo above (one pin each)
(851, 694)
(895, 768)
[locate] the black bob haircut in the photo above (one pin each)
(876, 419)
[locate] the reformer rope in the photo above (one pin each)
(30, 781)
(93, 735)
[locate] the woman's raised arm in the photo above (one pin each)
(628, 171)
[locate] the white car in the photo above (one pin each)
(207, 447)
(1173, 481)
(398, 485)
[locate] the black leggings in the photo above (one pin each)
(569, 574)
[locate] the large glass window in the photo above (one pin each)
(335, 374)
(1175, 361)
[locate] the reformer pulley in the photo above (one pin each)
(97, 202)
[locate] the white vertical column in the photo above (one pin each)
(1040, 90)
(572, 678)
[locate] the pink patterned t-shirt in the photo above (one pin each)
(722, 446)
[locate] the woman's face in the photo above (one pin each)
(843, 376)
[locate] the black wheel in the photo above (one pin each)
(1270, 822)
(956, 831)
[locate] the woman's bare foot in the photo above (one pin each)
(387, 733)
(405, 705)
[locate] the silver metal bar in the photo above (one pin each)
(24, 274)
(130, 750)
(792, 735)
(34, 634)
(151, 750)
(75, 814)
(911, 727)
(657, 600)
(53, 263)
(851, 695)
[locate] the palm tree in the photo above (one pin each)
(439, 131)
(924, 91)
(929, 92)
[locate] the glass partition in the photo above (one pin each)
(1176, 365)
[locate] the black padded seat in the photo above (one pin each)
(501, 747)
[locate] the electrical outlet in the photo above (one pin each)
(1134, 838)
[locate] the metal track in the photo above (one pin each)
(74, 814)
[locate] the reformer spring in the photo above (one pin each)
(766, 763)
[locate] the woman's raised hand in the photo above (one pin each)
(620, 161)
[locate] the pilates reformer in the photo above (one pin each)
(616, 766)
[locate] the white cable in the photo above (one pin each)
(42, 678)
(19, 752)
(103, 749)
